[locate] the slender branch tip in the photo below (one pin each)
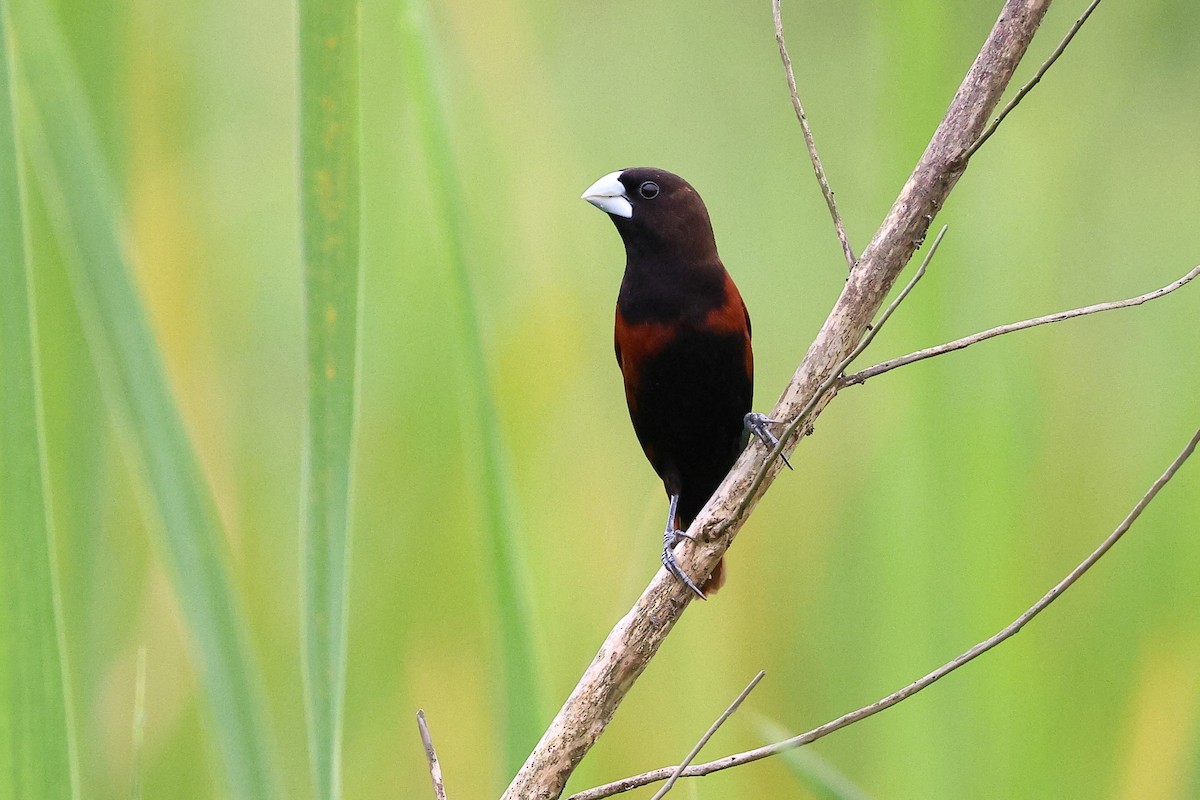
(435, 766)
(809, 143)
(958, 344)
(1028, 87)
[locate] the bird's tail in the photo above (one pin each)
(716, 579)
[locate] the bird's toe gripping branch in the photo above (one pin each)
(757, 424)
(671, 537)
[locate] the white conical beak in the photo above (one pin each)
(608, 195)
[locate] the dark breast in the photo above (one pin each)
(688, 383)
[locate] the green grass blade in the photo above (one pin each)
(521, 699)
(139, 725)
(330, 207)
(84, 209)
(37, 756)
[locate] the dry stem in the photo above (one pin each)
(435, 766)
(835, 376)
(892, 699)
(637, 636)
(808, 138)
(695, 751)
(1028, 87)
(1012, 327)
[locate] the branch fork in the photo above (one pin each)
(845, 334)
(637, 637)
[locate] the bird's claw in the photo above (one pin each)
(757, 424)
(672, 537)
(668, 561)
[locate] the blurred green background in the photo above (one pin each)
(931, 507)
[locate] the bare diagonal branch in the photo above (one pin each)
(892, 699)
(636, 638)
(831, 382)
(808, 139)
(1028, 87)
(1012, 327)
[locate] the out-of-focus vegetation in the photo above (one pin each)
(930, 507)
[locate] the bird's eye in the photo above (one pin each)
(648, 190)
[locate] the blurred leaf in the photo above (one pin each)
(329, 190)
(37, 757)
(83, 205)
(522, 721)
(822, 778)
(139, 725)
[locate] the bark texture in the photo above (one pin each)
(638, 635)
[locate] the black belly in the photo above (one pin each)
(690, 400)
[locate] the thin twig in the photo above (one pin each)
(835, 376)
(1027, 88)
(1007, 632)
(709, 734)
(435, 766)
(967, 341)
(808, 139)
(637, 636)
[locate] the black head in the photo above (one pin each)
(656, 213)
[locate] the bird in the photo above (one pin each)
(682, 341)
